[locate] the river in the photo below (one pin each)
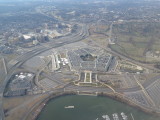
(89, 108)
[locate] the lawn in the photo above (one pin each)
(88, 77)
(135, 39)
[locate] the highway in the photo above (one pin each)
(58, 42)
(81, 34)
(123, 56)
(132, 60)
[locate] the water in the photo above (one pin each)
(89, 108)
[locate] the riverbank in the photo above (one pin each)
(35, 112)
(124, 100)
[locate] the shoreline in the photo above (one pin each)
(35, 112)
(130, 103)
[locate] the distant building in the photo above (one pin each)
(35, 42)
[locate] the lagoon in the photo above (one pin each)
(89, 108)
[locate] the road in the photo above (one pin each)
(123, 56)
(88, 89)
(128, 59)
(132, 60)
(81, 34)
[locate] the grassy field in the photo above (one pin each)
(135, 39)
(17, 107)
(98, 35)
(87, 77)
(2, 71)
